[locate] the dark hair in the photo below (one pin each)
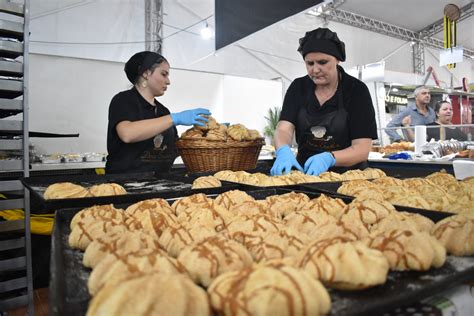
(322, 40)
(438, 105)
(141, 62)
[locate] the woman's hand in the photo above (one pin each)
(317, 164)
(285, 160)
(190, 117)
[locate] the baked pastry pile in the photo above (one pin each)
(439, 191)
(206, 182)
(213, 131)
(68, 190)
(295, 177)
(256, 256)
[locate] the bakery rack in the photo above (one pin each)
(16, 285)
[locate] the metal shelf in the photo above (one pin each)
(11, 125)
(14, 284)
(11, 68)
(11, 29)
(11, 185)
(11, 8)
(12, 244)
(11, 204)
(11, 49)
(10, 107)
(11, 144)
(11, 164)
(12, 303)
(11, 88)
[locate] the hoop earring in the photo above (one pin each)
(144, 84)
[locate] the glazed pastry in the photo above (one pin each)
(268, 291)
(330, 176)
(176, 237)
(107, 189)
(113, 268)
(348, 230)
(403, 220)
(232, 198)
(353, 175)
(148, 290)
(354, 186)
(411, 201)
(250, 208)
(370, 212)
(153, 222)
(211, 216)
(282, 205)
(343, 265)
(208, 258)
(206, 182)
(151, 205)
(226, 175)
(65, 190)
(456, 233)
(409, 249)
(192, 133)
(83, 234)
(217, 134)
(196, 200)
(119, 244)
(307, 221)
(93, 213)
(373, 173)
(387, 181)
(325, 204)
(256, 224)
(253, 134)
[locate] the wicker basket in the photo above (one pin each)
(200, 155)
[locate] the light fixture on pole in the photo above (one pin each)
(206, 32)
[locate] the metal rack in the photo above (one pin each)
(16, 282)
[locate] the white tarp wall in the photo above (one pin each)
(72, 95)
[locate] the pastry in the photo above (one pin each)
(65, 190)
(192, 133)
(348, 230)
(456, 233)
(216, 134)
(196, 200)
(343, 265)
(403, 220)
(83, 234)
(387, 181)
(255, 224)
(370, 212)
(305, 222)
(330, 176)
(113, 269)
(211, 216)
(119, 244)
(232, 198)
(373, 173)
(176, 237)
(148, 290)
(253, 134)
(153, 206)
(226, 175)
(209, 125)
(282, 205)
(265, 290)
(325, 204)
(208, 258)
(409, 249)
(96, 212)
(107, 189)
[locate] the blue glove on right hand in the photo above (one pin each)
(285, 160)
(190, 117)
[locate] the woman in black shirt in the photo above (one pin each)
(329, 111)
(141, 132)
(444, 116)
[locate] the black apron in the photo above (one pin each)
(324, 132)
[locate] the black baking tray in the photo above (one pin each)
(68, 278)
(140, 186)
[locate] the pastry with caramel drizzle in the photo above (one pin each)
(268, 291)
(151, 205)
(409, 249)
(176, 237)
(370, 212)
(325, 204)
(404, 220)
(93, 213)
(206, 182)
(256, 224)
(282, 205)
(83, 234)
(349, 230)
(208, 258)
(113, 269)
(342, 264)
(232, 198)
(154, 294)
(307, 221)
(212, 216)
(456, 233)
(119, 244)
(65, 190)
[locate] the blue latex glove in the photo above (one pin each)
(317, 164)
(190, 117)
(285, 160)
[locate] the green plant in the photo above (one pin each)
(272, 121)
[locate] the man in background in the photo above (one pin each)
(414, 114)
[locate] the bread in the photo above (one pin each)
(325, 204)
(232, 198)
(282, 205)
(268, 291)
(255, 224)
(83, 234)
(226, 175)
(65, 190)
(216, 134)
(176, 237)
(307, 221)
(96, 212)
(253, 134)
(186, 203)
(147, 289)
(343, 265)
(348, 230)
(370, 212)
(409, 249)
(206, 182)
(238, 132)
(208, 258)
(456, 233)
(403, 220)
(107, 189)
(209, 125)
(192, 133)
(212, 216)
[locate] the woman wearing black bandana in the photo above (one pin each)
(141, 132)
(330, 111)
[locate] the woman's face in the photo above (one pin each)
(321, 68)
(158, 79)
(445, 113)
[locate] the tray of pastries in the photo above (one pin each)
(262, 252)
(53, 192)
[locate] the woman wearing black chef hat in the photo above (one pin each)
(330, 111)
(141, 132)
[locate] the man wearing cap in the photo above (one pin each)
(141, 133)
(329, 111)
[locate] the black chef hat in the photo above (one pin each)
(141, 62)
(322, 40)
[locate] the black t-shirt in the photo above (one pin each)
(451, 133)
(140, 156)
(356, 100)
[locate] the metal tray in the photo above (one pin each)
(69, 295)
(140, 186)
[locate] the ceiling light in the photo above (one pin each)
(206, 32)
